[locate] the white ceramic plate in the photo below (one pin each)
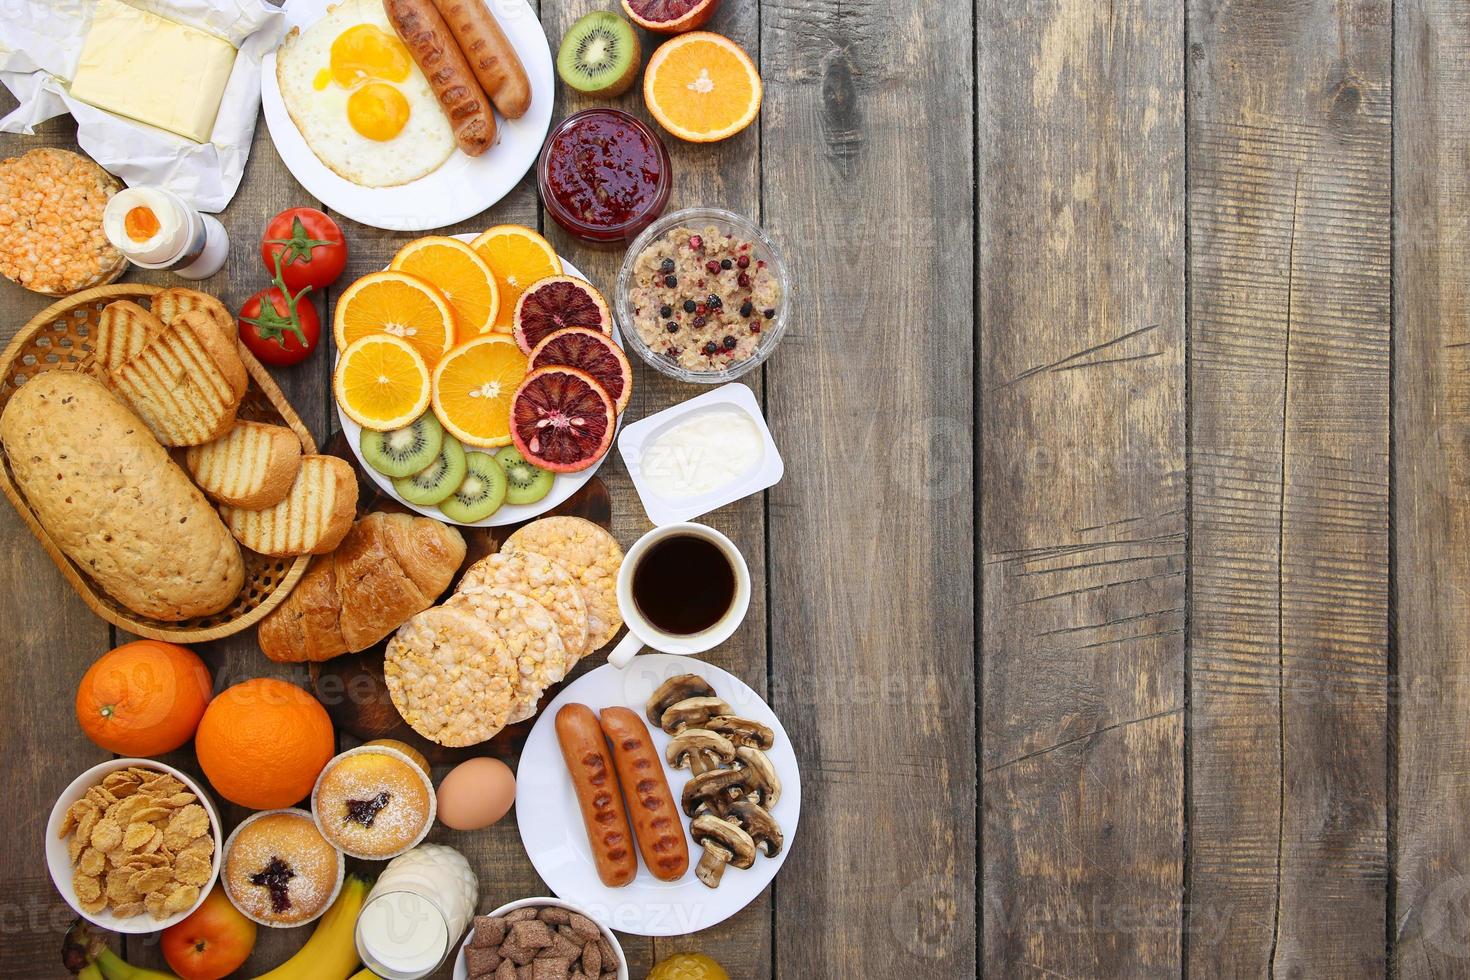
(463, 186)
(563, 487)
(550, 818)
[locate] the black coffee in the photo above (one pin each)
(684, 584)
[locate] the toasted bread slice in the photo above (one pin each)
(186, 383)
(252, 466)
(123, 330)
(312, 519)
(173, 303)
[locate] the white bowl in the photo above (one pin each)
(58, 861)
(461, 971)
(336, 890)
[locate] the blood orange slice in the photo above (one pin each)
(592, 352)
(550, 304)
(669, 16)
(561, 419)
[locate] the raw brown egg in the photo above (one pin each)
(475, 794)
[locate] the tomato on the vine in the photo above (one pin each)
(309, 247)
(279, 327)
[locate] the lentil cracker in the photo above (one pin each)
(592, 555)
(452, 680)
(51, 237)
(529, 632)
(543, 579)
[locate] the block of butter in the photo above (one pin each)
(137, 64)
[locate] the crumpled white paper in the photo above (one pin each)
(40, 44)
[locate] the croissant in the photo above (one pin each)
(387, 568)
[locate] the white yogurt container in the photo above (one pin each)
(700, 455)
(416, 913)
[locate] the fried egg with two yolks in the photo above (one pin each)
(359, 100)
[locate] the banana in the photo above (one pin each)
(365, 974)
(331, 952)
(90, 972)
(114, 967)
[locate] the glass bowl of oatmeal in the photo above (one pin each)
(703, 295)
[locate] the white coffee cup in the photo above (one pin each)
(642, 633)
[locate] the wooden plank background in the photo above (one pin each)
(1117, 591)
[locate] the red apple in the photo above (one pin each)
(212, 942)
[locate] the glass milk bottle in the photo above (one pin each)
(417, 912)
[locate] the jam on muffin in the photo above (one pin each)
(373, 803)
(279, 870)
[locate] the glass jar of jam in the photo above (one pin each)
(604, 176)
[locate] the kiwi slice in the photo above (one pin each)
(405, 451)
(480, 494)
(600, 55)
(438, 480)
(525, 484)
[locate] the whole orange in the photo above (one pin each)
(262, 743)
(144, 698)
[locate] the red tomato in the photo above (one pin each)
(275, 332)
(309, 246)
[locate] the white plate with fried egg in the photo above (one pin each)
(357, 124)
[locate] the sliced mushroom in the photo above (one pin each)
(724, 844)
(676, 689)
(714, 790)
(756, 821)
(761, 782)
(699, 750)
(743, 731)
(691, 713)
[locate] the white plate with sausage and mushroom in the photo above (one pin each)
(733, 785)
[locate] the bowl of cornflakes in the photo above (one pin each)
(133, 845)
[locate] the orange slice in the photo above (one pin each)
(381, 382)
(399, 304)
(702, 87)
(458, 272)
(517, 257)
(473, 386)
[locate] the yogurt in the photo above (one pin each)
(706, 452)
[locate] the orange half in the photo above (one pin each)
(517, 257)
(473, 386)
(702, 87)
(399, 305)
(381, 382)
(458, 272)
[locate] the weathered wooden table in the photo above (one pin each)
(1134, 332)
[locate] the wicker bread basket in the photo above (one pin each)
(60, 338)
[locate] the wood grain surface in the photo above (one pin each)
(1289, 170)
(1082, 542)
(1115, 596)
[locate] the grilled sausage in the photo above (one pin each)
(489, 52)
(454, 85)
(651, 806)
(585, 752)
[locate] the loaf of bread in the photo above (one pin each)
(112, 499)
(388, 568)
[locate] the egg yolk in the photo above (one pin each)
(140, 223)
(378, 111)
(364, 52)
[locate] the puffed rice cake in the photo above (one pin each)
(592, 555)
(529, 633)
(51, 237)
(543, 579)
(451, 679)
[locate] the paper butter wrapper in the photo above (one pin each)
(40, 44)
